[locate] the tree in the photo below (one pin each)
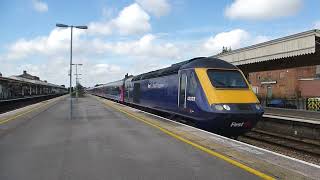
(225, 50)
(80, 89)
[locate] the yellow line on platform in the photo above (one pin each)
(202, 148)
(3, 121)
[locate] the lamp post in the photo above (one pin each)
(77, 90)
(71, 27)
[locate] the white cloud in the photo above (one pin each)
(317, 24)
(57, 42)
(260, 39)
(146, 46)
(40, 6)
(101, 28)
(100, 73)
(131, 20)
(155, 7)
(234, 39)
(55, 70)
(262, 9)
(105, 61)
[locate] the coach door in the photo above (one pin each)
(136, 92)
(183, 82)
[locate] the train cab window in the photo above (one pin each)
(192, 85)
(226, 79)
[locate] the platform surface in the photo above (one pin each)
(101, 143)
(312, 117)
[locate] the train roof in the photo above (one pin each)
(208, 62)
(199, 62)
(114, 83)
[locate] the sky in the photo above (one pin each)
(136, 36)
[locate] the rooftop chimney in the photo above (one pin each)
(0, 74)
(24, 72)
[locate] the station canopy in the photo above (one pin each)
(21, 80)
(305, 44)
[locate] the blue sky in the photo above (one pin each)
(135, 36)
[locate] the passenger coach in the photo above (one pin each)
(209, 93)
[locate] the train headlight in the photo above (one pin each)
(226, 107)
(218, 107)
(258, 106)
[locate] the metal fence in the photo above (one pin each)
(312, 103)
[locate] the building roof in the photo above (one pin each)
(27, 76)
(294, 45)
(18, 79)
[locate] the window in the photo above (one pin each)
(226, 79)
(282, 75)
(192, 84)
(258, 77)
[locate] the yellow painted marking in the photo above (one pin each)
(25, 112)
(224, 95)
(209, 151)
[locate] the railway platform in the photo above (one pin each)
(106, 140)
(16, 103)
(299, 124)
(293, 115)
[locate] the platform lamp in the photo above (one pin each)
(71, 27)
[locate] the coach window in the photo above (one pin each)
(192, 85)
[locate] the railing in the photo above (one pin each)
(312, 104)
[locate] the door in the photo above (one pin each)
(122, 93)
(269, 92)
(136, 92)
(182, 97)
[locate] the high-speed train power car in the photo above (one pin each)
(210, 93)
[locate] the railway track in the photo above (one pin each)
(13, 104)
(302, 145)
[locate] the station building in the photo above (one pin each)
(286, 68)
(27, 76)
(291, 83)
(26, 85)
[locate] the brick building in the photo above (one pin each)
(286, 83)
(287, 67)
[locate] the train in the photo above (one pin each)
(209, 93)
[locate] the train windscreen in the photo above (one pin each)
(226, 79)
